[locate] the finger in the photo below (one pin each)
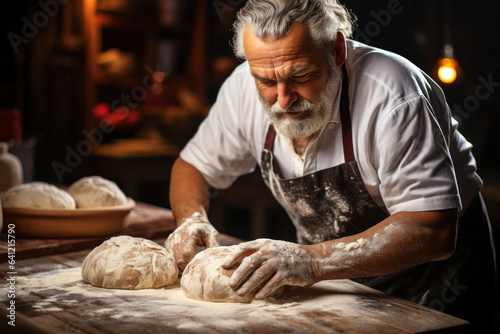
(258, 279)
(241, 251)
(245, 269)
(169, 243)
(210, 238)
(185, 257)
(270, 287)
(184, 252)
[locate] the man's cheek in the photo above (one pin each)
(310, 93)
(267, 94)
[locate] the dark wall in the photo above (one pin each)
(418, 31)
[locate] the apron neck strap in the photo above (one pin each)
(271, 133)
(345, 117)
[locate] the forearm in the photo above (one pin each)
(401, 241)
(189, 192)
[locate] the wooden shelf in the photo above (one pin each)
(180, 49)
(142, 34)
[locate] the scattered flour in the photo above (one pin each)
(355, 245)
(190, 325)
(46, 307)
(327, 307)
(304, 208)
(104, 311)
(168, 308)
(352, 245)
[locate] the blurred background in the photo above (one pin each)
(117, 87)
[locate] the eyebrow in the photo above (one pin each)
(258, 77)
(294, 72)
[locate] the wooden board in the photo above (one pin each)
(51, 296)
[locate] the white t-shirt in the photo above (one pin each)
(410, 155)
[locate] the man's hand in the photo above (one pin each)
(266, 265)
(195, 230)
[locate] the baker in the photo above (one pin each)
(359, 147)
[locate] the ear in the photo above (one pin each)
(339, 50)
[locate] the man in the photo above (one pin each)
(358, 145)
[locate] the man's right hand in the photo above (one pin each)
(195, 230)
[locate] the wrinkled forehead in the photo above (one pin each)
(295, 47)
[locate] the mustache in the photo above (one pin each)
(297, 107)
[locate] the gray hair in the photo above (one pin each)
(274, 18)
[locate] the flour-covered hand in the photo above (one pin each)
(195, 230)
(266, 265)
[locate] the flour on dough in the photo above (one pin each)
(37, 195)
(125, 262)
(205, 279)
(95, 191)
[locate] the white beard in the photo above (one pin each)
(317, 115)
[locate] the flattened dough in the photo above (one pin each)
(205, 279)
(125, 262)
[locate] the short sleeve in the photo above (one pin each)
(218, 149)
(415, 168)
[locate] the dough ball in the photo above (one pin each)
(37, 195)
(205, 279)
(95, 191)
(125, 262)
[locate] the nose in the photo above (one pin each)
(286, 94)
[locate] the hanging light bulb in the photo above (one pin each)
(447, 72)
(447, 69)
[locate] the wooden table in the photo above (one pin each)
(51, 297)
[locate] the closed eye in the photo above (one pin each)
(266, 82)
(262, 80)
(301, 78)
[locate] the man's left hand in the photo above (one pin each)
(266, 265)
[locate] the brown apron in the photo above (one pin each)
(333, 203)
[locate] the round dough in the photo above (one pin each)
(125, 262)
(95, 191)
(205, 279)
(37, 195)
